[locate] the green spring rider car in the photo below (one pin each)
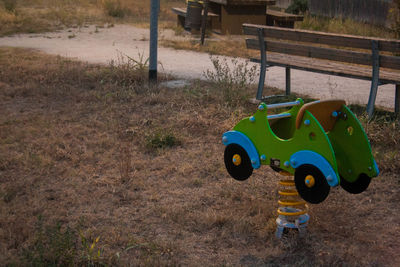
(321, 143)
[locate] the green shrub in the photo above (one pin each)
(113, 8)
(298, 6)
(161, 139)
(10, 5)
(231, 78)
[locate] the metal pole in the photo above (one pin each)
(204, 22)
(287, 80)
(154, 9)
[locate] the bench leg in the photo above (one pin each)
(181, 21)
(263, 65)
(372, 97)
(270, 21)
(287, 80)
(397, 100)
(375, 78)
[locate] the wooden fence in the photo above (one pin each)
(371, 11)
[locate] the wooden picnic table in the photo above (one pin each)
(282, 19)
(233, 13)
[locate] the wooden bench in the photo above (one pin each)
(212, 18)
(365, 58)
(282, 19)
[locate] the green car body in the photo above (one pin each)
(290, 140)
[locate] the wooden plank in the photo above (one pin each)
(179, 11)
(390, 62)
(390, 45)
(182, 12)
(245, 2)
(222, 2)
(313, 52)
(347, 56)
(329, 67)
(278, 15)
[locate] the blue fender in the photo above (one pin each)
(376, 168)
(235, 137)
(309, 157)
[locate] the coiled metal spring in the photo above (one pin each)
(292, 210)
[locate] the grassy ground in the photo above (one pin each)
(33, 16)
(98, 168)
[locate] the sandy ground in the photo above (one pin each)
(103, 46)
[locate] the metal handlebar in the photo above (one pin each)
(283, 105)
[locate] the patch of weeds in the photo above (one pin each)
(394, 15)
(113, 8)
(53, 246)
(161, 139)
(197, 182)
(9, 196)
(72, 36)
(343, 26)
(91, 253)
(57, 245)
(231, 78)
(152, 253)
(10, 5)
(382, 131)
(125, 161)
(127, 72)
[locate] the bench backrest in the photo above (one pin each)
(316, 45)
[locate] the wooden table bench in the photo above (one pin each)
(212, 18)
(282, 19)
(334, 54)
(233, 13)
(227, 16)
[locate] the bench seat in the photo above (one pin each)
(329, 67)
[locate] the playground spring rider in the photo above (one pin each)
(321, 143)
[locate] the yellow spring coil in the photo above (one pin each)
(292, 209)
(289, 197)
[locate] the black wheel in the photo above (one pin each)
(357, 187)
(311, 184)
(237, 162)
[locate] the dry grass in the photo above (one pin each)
(75, 165)
(33, 16)
(344, 26)
(233, 47)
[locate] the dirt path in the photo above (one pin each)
(100, 47)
